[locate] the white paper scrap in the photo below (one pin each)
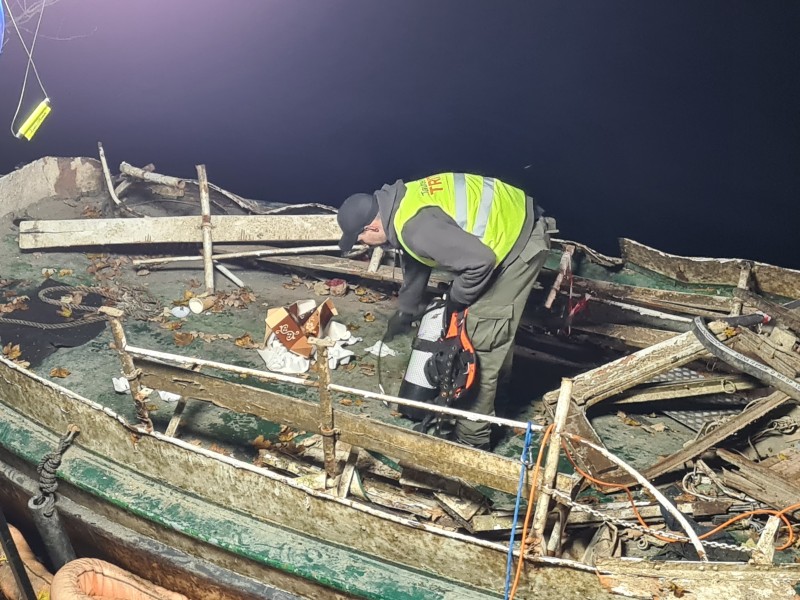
(381, 349)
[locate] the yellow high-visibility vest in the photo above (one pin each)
(487, 208)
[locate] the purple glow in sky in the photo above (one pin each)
(673, 121)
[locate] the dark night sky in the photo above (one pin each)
(674, 122)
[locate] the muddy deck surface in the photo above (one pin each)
(91, 366)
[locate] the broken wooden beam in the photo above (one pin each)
(779, 313)
(166, 230)
(691, 388)
(712, 271)
(622, 374)
(759, 482)
(131, 171)
(443, 457)
(752, 413)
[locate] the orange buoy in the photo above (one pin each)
(89, 579)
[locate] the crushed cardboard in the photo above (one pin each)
(294, 324)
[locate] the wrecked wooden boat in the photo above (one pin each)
(267, 485)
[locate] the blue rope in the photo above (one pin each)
(523, 468)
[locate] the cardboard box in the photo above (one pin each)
(316, 322)
(288, 331)
(297, 322)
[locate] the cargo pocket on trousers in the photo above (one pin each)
(489, 327)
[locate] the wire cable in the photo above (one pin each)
(30, 59)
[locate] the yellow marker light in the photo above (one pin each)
(31, 125)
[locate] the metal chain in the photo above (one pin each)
(565, 498)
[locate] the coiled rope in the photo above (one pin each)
(47, 467)
(137, 303)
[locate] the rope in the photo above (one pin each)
(524, 466)
(137, 303)
(47, 467)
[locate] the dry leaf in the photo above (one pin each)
(360, 291)
(220, 450)
(171, 325)
(143, 272)
(286, 434)
(91, 212)
(394, 413)
(65, 272)
(12, 351)
(245, 341)
(182, 339)
(48, 273)
(60, 372)
(321, 288)
(65, 312)
(338, 287)
(628, 420)
(261, 444)
(369, 317)
(346, 402)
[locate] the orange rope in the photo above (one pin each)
(529, 512)
(704, 536)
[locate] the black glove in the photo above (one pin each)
(399, 323)
(452, 307)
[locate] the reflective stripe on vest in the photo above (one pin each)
(494, 212)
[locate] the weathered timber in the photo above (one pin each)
(639, 578)
(126, 183)
(161, 230)
(686, 389)
(775, 490)
(621, 336)
(786, 464)
(763, 350)
(696, 304)
(131, 171)
(754, 412)
(712, 271)
(346, 266)
(590, 253)
(781, 314)
(41, 405)
(446, 458)
(744, 283)
(205, 226)
(622, 374)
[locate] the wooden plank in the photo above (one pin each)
(622, 336)
(779, 492)
(347, 266)
(161, 230)
(686, 389)
(692, 303)
(715, 271)
(700, 445)
(696, 580)
(440, 456)
(615, 377)
(782, 315)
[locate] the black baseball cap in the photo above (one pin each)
(358, 211)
